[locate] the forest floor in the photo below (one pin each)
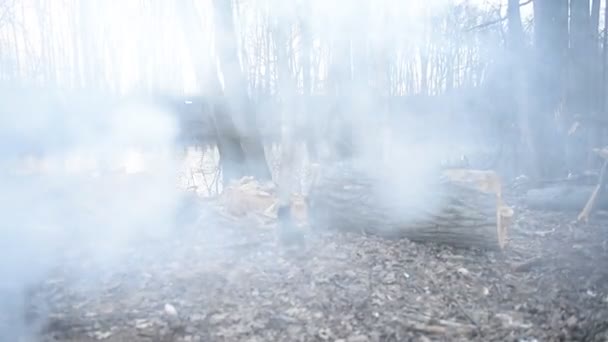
(239, 283)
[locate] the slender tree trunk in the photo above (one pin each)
(232, 156)
(91, 66)
(17, 66)
(595, 17)
(310, 137)
(76, 66)
(551, 46)
(338, 80)
(581, 47)
(238, 103)
(287, 94)
(583, 85)
(516, 52)
(604, 86)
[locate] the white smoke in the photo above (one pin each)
(79, 193)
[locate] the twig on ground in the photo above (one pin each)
(460, 308)
(527, 265)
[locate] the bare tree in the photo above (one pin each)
(548, 80)
(238, 103)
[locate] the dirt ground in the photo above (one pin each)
(238, 283)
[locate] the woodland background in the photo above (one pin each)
(519, 87)
(522, 74)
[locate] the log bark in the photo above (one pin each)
(458, 207)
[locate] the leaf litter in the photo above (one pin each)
(225, 280)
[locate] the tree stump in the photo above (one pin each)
(458, 207)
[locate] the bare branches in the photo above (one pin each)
(496, 21)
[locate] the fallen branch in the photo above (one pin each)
(586, 212)
(528, 265)
(562, 197)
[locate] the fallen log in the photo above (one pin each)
(458, 207)
(571, 194)
(561, 197)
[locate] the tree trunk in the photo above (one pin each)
(237, 102)
(517, 61)
(461, 208)
(595, 17)
(551, 46)
(287, 91)
(604, 63)
(304, 14)
(232, 156)
(89, 43)
(339, 77)
(583, 59)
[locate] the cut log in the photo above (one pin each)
(458, 207)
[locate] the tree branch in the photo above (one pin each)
(495, 21)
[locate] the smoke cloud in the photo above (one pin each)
(70, 179)
(80, 196)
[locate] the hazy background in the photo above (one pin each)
(96, 96)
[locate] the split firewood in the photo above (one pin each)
(460, 207)
(247, 197)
